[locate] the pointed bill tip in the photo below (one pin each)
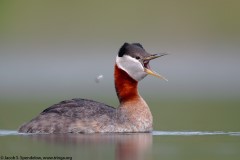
(148, 71)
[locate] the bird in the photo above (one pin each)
(88, 116)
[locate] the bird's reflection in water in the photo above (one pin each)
(127, 146)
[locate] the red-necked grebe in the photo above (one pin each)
(88, 116)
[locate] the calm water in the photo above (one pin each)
(189, 130)
(156, 145)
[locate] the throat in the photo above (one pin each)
(126, 87)
(133, 109)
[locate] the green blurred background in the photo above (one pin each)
(53, 50)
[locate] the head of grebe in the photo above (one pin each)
(132, 65)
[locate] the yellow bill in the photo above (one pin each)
(148, 71)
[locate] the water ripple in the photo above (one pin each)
(9, 132)
(193, 133)
(154, 133)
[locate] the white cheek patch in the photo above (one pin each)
(132, 66)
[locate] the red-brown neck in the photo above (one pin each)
(126, 87)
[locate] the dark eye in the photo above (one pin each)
(137, 57)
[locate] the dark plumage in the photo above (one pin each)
(70, 112)
(134, 50)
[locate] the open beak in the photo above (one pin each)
(147, 68)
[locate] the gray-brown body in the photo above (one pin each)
(87, 116)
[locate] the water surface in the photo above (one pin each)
(155, 145)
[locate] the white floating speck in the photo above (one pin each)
(98, 78)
